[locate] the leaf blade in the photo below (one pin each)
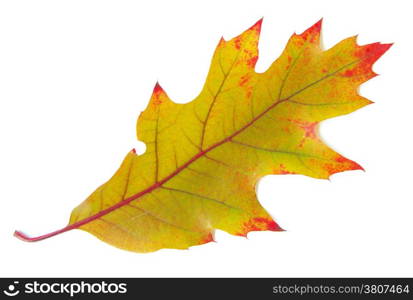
(204, 158)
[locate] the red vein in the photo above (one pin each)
(158, 184)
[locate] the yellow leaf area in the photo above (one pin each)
(204, 158)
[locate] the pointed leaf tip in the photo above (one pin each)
(209, 238)
(157, 88)
(385, 47)
(312, 34)
(258, 25)
(317, 26)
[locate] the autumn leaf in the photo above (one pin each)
(204, 158)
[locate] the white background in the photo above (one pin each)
(74, 76)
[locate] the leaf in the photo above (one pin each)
(204, 158)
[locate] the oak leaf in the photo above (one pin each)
(204, 158)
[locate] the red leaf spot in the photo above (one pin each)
(257, 26)
(286, 129)
(349, 73)
(268, 224)
(157, 89)
(341, 159)
(252, 61)
(331, 169)
(312, 34)
(237, 43)
(351, 164)
(283, 170)
(300, 43)
(208, 238)
(309, 128)
(345, 166)
(156, 101)
(156, 96)
(259, 224)
(370, 53)
(244, 80)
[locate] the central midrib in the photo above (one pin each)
(176, 172)
(147, 190)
